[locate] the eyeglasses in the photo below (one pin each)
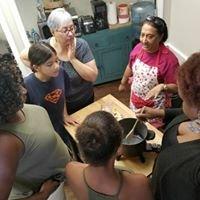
(155, 20)
(67, 30)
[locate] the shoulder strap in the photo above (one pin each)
(111, 196)
(84, 178)
(176, 120)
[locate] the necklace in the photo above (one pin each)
(194, 126)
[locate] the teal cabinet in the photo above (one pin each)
(111, 48)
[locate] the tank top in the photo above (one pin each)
(45, 154)
(92, 194)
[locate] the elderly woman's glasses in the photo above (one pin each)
(67, 30)
(155, 20)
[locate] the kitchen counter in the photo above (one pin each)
(119, 110)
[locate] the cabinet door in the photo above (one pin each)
(95, 42)
(111, 50)
(113, 62)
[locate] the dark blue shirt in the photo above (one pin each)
(80, 91)
(50, 95)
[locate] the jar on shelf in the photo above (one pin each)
(51, 4)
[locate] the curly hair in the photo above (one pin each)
(189, 80)
(99, 137)
(10, 87)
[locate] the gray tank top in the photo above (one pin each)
(92, 194)
(45, 153)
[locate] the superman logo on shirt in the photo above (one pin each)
(53, 96)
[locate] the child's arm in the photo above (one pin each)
(24, 57)
(67, 119)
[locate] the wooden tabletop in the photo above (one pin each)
(120, 111)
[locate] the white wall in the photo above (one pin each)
(84, 7)
(13, 11)
(182, 17)
(13, 28)
(3, 42)
(183, 22)
(28, 12)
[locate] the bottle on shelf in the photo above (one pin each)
(140, 10)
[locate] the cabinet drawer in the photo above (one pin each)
(122, 38)
(122, 35)
(98, 40)
(109, 37)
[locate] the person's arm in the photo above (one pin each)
(87, 71)
(149, 113)
(74, 174)
(11, 150)
(168, 75)
(140, 183)
(169, 88)
(167, 114)
(24, 57)
(47, 188)
(67, 118)
(125, 78)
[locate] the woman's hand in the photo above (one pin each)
(154, 92)
(68, 120)
(71, 51)
(122, 87)
(48, 187)
(126, 79)
(149, 113)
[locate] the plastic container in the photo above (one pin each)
(140, 10)
(123, 13)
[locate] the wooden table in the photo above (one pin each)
(120, 110)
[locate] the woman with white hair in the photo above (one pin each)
(75, 57)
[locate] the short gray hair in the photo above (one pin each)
(57, 18)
